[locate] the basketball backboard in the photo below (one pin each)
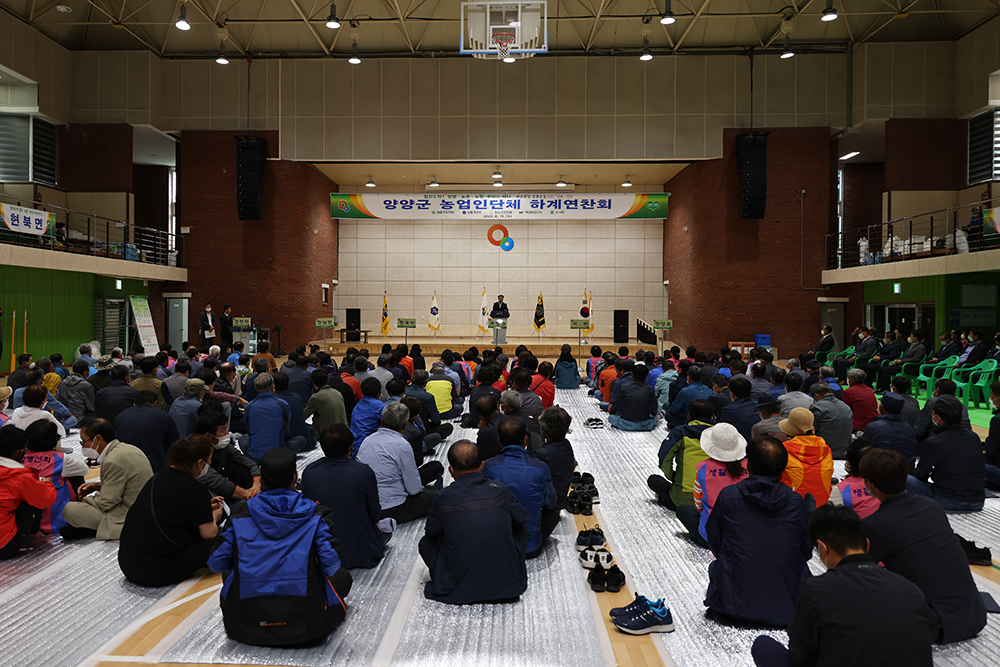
(526, 21)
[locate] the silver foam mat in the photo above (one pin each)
(41, 552)
(551, 622)
(79, 607)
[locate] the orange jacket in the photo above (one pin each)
(606, 382)
(810, 467)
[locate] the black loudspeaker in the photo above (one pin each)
(751, 160)
(251, 156)
(621, 326)
(353, 324)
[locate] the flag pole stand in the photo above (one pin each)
(579, 344)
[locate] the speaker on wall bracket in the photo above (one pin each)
(251, 156)
(751, 161)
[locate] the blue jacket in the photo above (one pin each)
(654, 375)
(298, 425)
(891, 432)
(741, 413)
(275, 557)
(567, 375)
(268, 421)
(757, 531)
(184, 412)
(365, 420)
(474, 543)
(299, 382)
(679, 407)
(349, 490)
(150, 429)
(531, 483)
(51, 404)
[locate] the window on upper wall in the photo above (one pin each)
(984, 151)
(326, 293)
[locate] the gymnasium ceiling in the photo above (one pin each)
(390, 28)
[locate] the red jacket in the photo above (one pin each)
(19, 485)
(544, 389)
(861, 399)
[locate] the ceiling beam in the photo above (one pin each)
(402, 25)
(340, 31)
(166, 38)
(424, 34)
(892, 18)
(309, 25)
(593, 28)
(573, 23)
(127, 29)
(690, 25)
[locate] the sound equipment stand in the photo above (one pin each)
(278, 352)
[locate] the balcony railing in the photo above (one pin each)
(949, 231)
(89, 234)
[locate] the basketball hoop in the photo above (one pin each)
(503, 40)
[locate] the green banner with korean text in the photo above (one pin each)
(569, 206)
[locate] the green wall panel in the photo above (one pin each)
(59, 305)
(945, 291)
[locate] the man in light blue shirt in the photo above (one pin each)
(405, 492)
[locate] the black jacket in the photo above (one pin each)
(150, 429)
(719, 401)
(992, 444)
(487, 439)
(114, 399)
(952, 458)
(860, 614)
(474, 543)
(912, 537)
(977, 355)
(558, 456)
(636, 402)
(867, 348)
(952, 349)
(824, 344)
(500, 310)
(349, 490)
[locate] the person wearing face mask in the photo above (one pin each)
(17, 378)
(233, 475)
(171, 528)
(992, 444)
(914, 354)
(865, 349)
(856, 612)
(207, 321)
(952, 458)
(976, 350)
(101, 506)
(824, 344)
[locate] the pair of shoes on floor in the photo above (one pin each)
(643, 616)
(580, 503)
(580, 479)
(594, 422)
(590, 557)
(975, 555)
(590, 538)
(610, 580)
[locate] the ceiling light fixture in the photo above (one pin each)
(498, 184)
(626, 183)
(829, 14)
(560, 183)
(496, 174)
(850, 155)
(331, 21)
(370, 183)
(667, 17)
(787, 53)
(354, 59)
(221, 58)
(182, 19)
(646, 53)
(65, 9)
(434, 182)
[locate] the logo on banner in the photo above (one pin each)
(505, 242)
(653, 205)
(344, 206)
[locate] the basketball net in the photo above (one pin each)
(503, 40)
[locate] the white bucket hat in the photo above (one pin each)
(723, 443)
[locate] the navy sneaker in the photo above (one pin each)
(653, 619)
(640, 605)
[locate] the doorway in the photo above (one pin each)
(832, 313)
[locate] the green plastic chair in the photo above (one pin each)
(843, 354)
(912, 371)
(974, 380)
(929, 373)
(821, 357)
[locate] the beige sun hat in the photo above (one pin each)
(723, 443)
(799, 422)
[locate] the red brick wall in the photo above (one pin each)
(94, 157)
(863, 188)
(270, 268)
(151, 186)
(732, 278)
(926, 154)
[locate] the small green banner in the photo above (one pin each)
(497, 324)
(579, 324)
(663, 324)
(241, 321)
(406, 323)
(324, 323)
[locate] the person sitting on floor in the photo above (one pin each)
(888, 430)
(350, 491)
(810, 463)
(793, 396)
(65, 472)
(679, 455)
(677, 413)
(232, 474)
(184, 410)
(542, 384)
(147, 427)
(757, 532)
(34, 401)
(726, 465)
(421, 442)
(720, 397)
(566, 372)
(405, 492)
(953, 458)
(326, 405)
(296, 412)
(860, 398)
(490, 416)
(367, 414)
(510, 406)
(851, 491)
(528, 479)
(912, 537)
(925, 426)
(52, 404)
(116, 397)
(833, 419)
(170, 529)
(269, 422)
(634, 408)
(759, 383)
(856, 613)
(531, 404)
(102, 506)
(742, 412)
(445, 390)
(557, 452)
(476, 535)
(23, 496)
(283, 581)
(992, 445)
(770, 417)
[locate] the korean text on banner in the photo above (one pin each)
(500, 206)
(27, 220)
(144, 322)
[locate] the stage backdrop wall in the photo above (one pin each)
(621, 262)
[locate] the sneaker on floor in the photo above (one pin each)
(590, 538)
(639, 605)
(587, 479)
(976, 555)
(588, 558)
(575, 479)
(573, 502)
(615, 579)
(598, 579)
(590, 490)
(604, 557)
(586, 504)
(653, 619)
